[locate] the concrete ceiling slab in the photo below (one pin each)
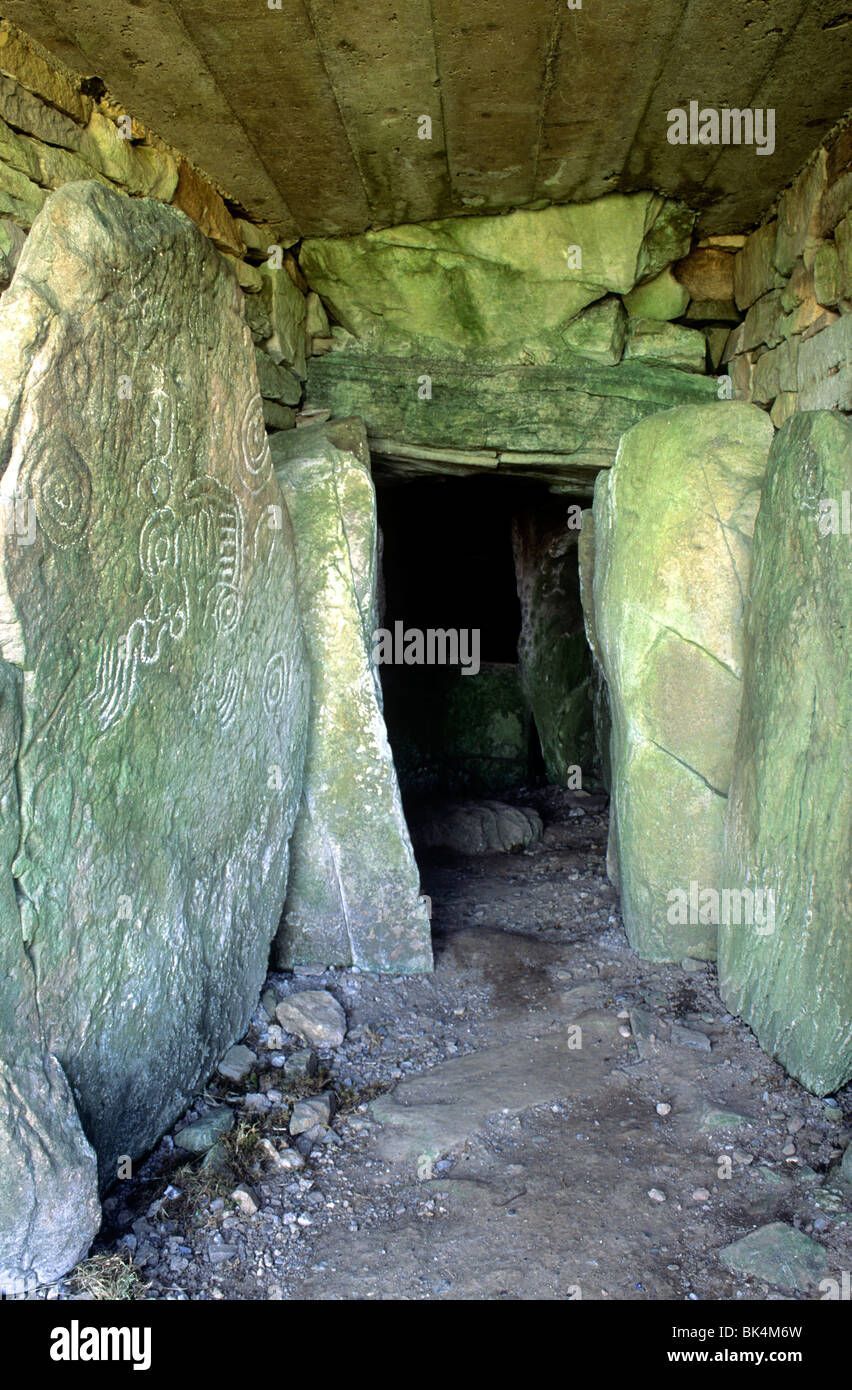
(309, 115)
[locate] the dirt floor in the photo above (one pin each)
(545, 1117)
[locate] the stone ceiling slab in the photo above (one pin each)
(307, 115)
(149, 62)
(492, 64)
(405, 176)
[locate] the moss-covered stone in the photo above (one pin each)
(154, 616)
(673, 521)
(664, 297)
(49, 1211)
(276, 382)
(599, 332)
(665, 345)
(553, 652)
(790, 804)
(353, 896)
(577, 412)
(507, 286)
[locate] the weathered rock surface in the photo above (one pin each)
(506, 285)
(672, 522)
(780, 1255)
(316, 1110)
(790, 804)
(49, 1211)
(601, 715)
(660, 344)
(478, 827)
(663, 297)
(557, 423)
(155, 619)
(202, 1134)
(237, 1063)
(552, 648)
(314, 1015)
(353, 897)
(428, 1115)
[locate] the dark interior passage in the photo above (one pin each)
(457, 557)
(448, 559)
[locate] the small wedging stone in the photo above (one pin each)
(314, 1015)
(237, 1063)
(301, 1063)
(779, 1255)
(486, 827)
(688, 1037)
(246, 1199)
(215, 1162)
(308, 1114)
(201, 1135)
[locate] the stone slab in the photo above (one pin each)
(155, 619)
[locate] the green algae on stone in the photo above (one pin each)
(665, 345)
(779, 1255)
(165, 680)
(599, 332)
(498, 286)
(576, 412)
(664, 297)
(353, 896)
(49, 1211)
(790, 802)
(673, 521)
(552, 649)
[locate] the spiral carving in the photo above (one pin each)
(254, 446)
(61, 485)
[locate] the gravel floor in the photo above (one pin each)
(618, 1187)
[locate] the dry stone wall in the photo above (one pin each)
(53, 132)
(793, 282)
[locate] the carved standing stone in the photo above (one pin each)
(165, 682)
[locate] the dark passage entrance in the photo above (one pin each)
(459, 707)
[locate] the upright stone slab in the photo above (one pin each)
(353, 897)
(554, 655)
(673, 521)
(790, 803)
(49, 1212)
(601, 716)
(165, 681)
